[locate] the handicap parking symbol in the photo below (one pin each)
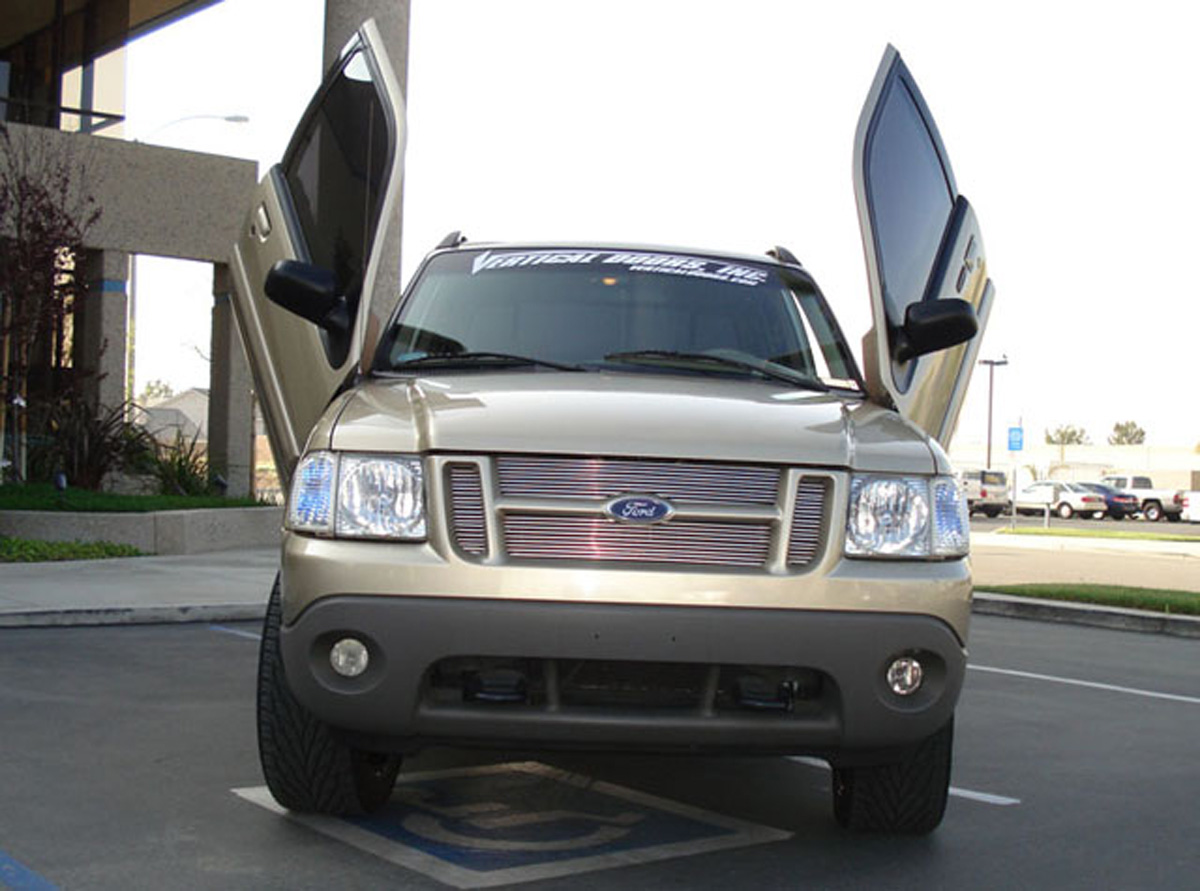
(496, 824)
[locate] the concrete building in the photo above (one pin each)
(62, 93)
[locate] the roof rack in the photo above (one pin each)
(783, 255)
(452, 240)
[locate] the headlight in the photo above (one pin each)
(358, 496)
(380, 497)
(906, 517)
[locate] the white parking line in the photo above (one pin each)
(1073, 682)
(236, 632)
(968, 794)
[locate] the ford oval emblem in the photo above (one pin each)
(639, 509)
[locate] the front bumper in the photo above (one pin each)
(407, 697)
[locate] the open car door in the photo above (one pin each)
(306, 266)
(930, 292)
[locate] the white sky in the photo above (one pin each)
(1071, 126)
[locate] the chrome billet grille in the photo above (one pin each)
(602, 478)
(531, 536)
(468, 520)
(808, 521)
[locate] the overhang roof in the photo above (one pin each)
(115, 22)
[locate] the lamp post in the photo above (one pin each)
(227, 118)
(991, 364)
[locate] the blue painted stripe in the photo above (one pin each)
(109, 285)
(18, 877)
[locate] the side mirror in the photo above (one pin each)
(933, 325)
(310, 292)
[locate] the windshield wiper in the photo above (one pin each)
(677, 357)
(469, 359)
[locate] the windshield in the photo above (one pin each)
(622, 311)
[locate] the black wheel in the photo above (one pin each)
(1174, 518)
(906, 797)
(1118, 515)
(992, 512)
(306, 766)
(1065, 511)
(1097, 515)
(1152, 511)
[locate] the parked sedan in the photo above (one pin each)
(1065, 499)
(1119, 505)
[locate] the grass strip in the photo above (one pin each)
(1157, 600)
(43, 496)
(1128, 535)
(19, 550)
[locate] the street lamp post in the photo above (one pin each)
(227, 118)
(991, 364)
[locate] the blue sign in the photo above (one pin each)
(1016, 439)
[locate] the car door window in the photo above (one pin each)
(336, 169)
(911, 197)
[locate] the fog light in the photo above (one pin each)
(904, 676)
(349, 657)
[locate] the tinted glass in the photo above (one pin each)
(579, 306)
(335, 171)
(910, 199)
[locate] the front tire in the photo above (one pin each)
(1065, 511)
(906, 797)
(306, 765)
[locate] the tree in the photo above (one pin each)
(1067, 434)
(1127, 433)
(156, 391)
(44, 217)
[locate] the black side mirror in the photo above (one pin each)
(933, 325)
(310, 292)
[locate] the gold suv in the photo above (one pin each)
(609, 496)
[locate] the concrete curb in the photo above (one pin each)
(1142, 621)
(161, 533)
(134, 615)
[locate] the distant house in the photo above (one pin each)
(185, 413)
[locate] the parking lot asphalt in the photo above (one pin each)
(128, 760)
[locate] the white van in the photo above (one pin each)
(986, 491)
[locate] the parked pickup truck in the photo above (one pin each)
(1156, 503)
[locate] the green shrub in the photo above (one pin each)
(86, 443)
(182, 467)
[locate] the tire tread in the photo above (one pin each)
(307, 768)
(905, 797)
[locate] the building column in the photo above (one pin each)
(230, 401)
(101, 328)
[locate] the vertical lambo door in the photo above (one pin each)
(311, 296)
(930, 291)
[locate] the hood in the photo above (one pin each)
(625, 415)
